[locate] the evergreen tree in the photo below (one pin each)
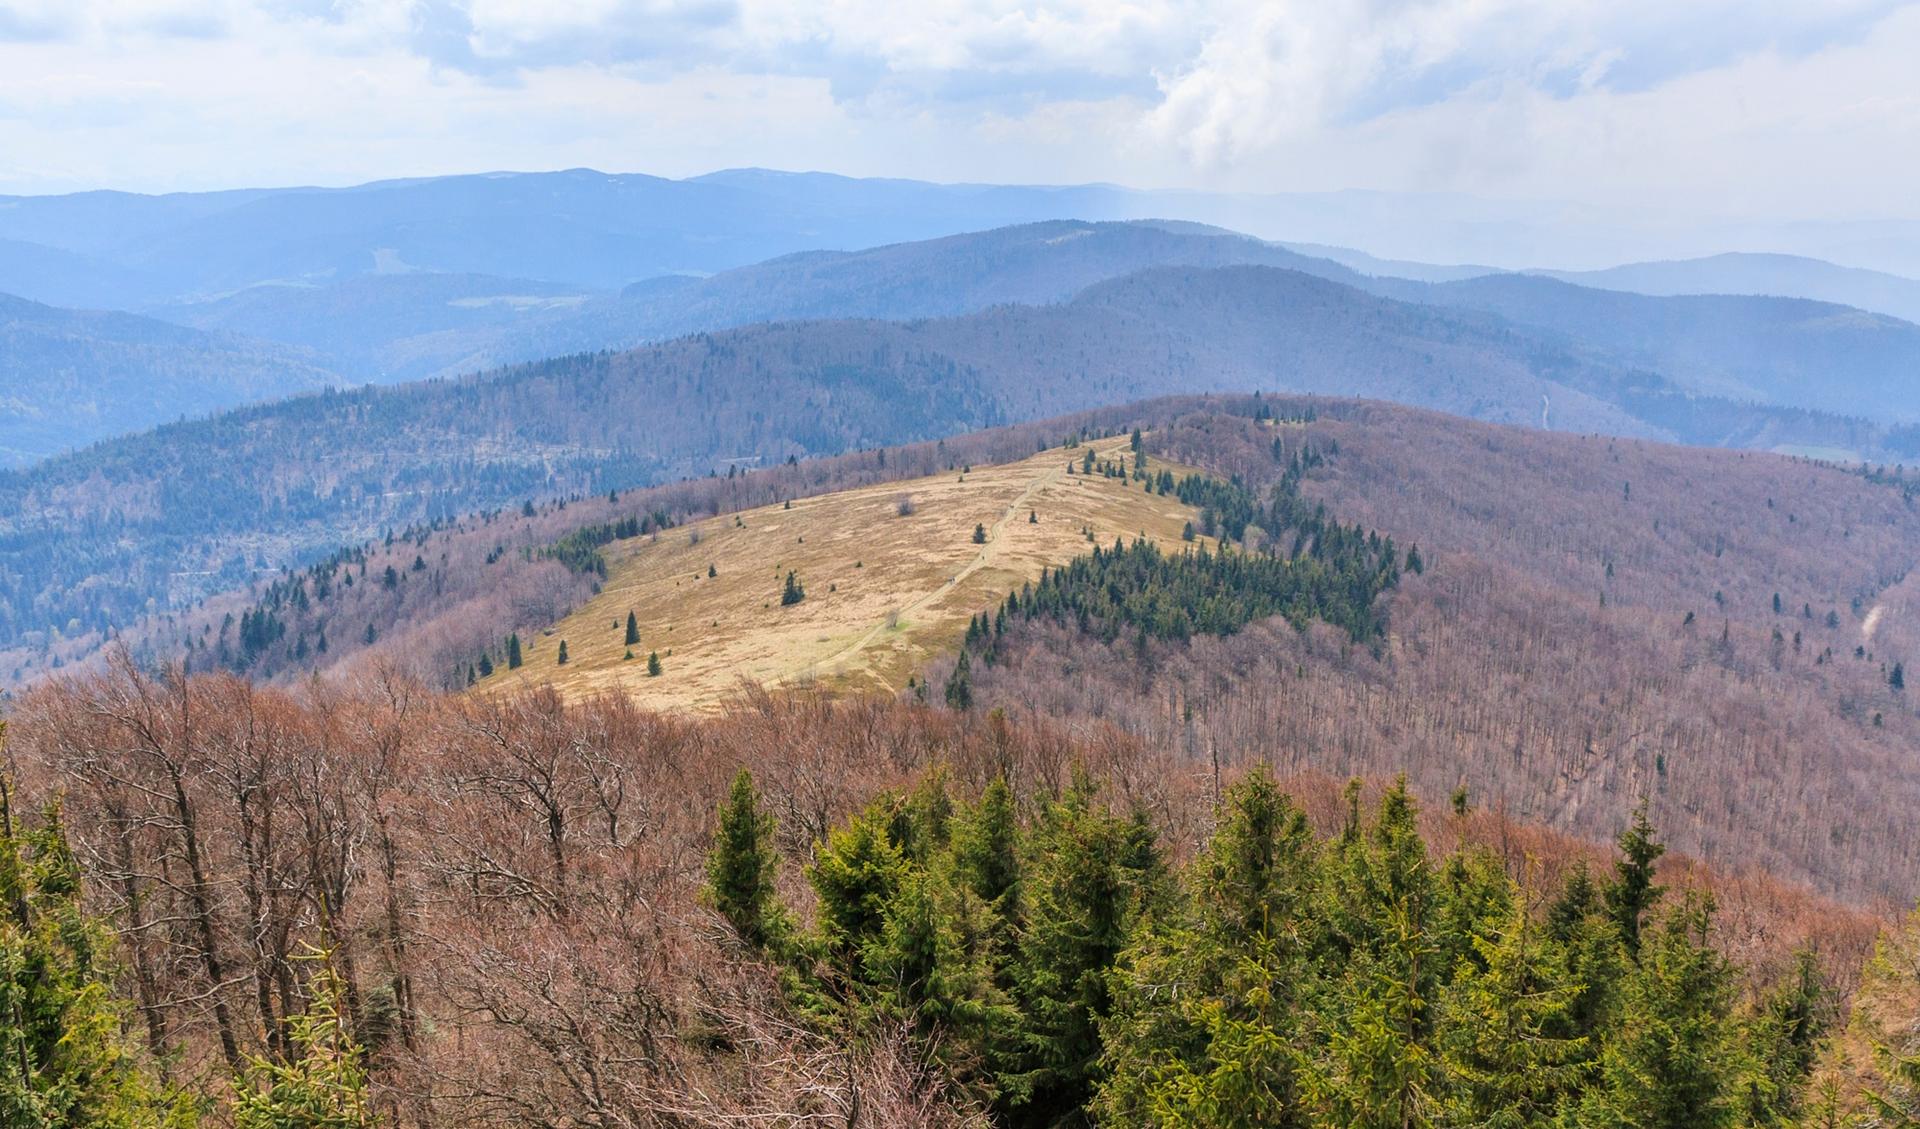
(513, 652)
(1674, 1059)
(1633, 892)
(985, 850)
(653, 664)
(792, 593)
(1785, 1036)
(960, 684)
(742, 867)
(1506, 1067)
(1087, 878)
(1415, 563)
(486, 665)
(563, 653)
(856, 875)
(64, 1060)
(979, 534)
(1221, 1050)
(1898, 678)
(325, 1087)
(633, 628)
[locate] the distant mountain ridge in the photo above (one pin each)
(410, 324)
(69, 377)
(1789, 276)
(92, 539)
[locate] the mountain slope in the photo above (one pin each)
(95, 536)
(891, 574)
(68, 377)
(1790, 276)
(1784, 351)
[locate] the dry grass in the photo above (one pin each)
(884, 591)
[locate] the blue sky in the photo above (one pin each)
(1776, 110)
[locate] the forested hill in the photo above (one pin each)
(91, 540)
(69, 377)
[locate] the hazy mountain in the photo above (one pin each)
(1362, 263)
(1791, 276)
(68, 377)
(1786, 351)
(88, 539)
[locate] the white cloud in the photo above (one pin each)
(1804, 108)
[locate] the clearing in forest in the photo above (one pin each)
(885, 590)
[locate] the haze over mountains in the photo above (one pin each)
(410, 279)
(615, 383)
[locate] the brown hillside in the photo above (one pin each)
(885, 590)
(1545, 662)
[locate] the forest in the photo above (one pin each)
(387, 906)
(1200, 837)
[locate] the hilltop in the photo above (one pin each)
(891, 574)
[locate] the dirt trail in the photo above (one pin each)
(832, 663)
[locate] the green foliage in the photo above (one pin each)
(1059, 975)
(64, 1057)
(653, 664)
(325, 1086)
(633, 629)
(1632, 891)
(743, 865)
(792, 592)
(858, 873)
(1136, 586)
(1674, 1060)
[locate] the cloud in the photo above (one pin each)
(1579, 98)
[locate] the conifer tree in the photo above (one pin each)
(513, 652)
(979, 533)
(653, 664)
(1087, 878)
(985, 850)
(1506, 1066)
(64, 1060)
(633, 628)
(1674, 1059)
(959, 691)
(742, 867)
(856, 875)
(325, 1087)
(1633, 892)
(563, 653)
(1221, 1050)
(792, 592)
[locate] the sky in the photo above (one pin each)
(1781, 109)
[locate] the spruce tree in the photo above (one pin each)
(959, 691)
(563, 653)
(1506, 1063)
(792, 593)
(1220, 1051)
(742, 867)
(1088, 877)
(513, 652)
(1633, 892)
(325, 1086)
(66, 1061)
(1675, 1058)
(633, 628)
(653, 664)
(979, 534)
(855, 876)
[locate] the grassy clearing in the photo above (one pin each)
(883, 591)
